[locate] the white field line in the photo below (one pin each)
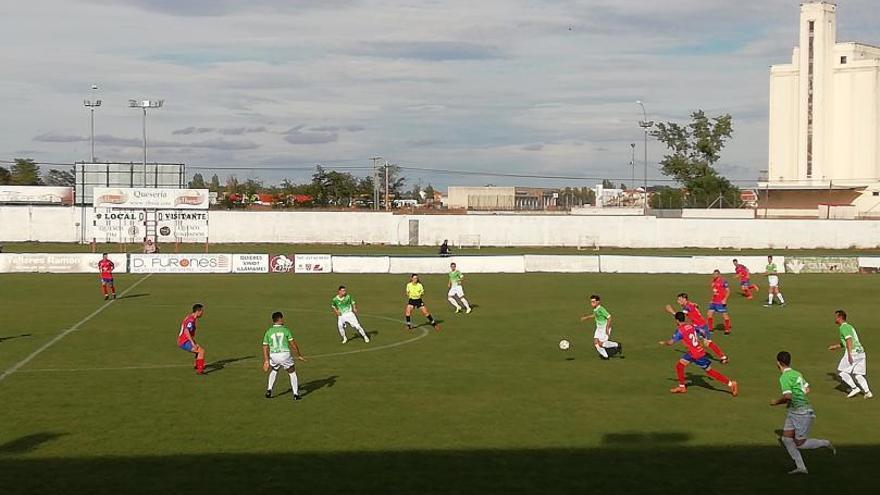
(67, 332)
(424, 333)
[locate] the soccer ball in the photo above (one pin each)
(564, 344)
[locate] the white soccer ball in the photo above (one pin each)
(564, 344)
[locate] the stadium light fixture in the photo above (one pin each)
(92, 105)
(144, 105)
(645, 124)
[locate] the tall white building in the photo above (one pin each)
(825, 120)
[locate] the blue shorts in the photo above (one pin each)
(705, 332)
(107, 281)
(745, 283)
(718, 307)
(187, 346)
(703, 362)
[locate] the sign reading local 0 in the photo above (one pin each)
(146, 198)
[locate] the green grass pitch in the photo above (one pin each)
(487, 405)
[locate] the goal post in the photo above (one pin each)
(471, 241)
(588, 242)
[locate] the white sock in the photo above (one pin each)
(609, 345)
(272, 375)
(770, 298)
(294, 383)
(341, 328)
(362, 332)
(602, 352)
(466, 304)
(780, 298)
(848, 379)
(863, 383)
(452, 301)
(795, 454)
(815, 443)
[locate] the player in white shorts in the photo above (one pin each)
(345, 308)
(853, 365)
(603, 328)
(456, 289)
(277, 344)
(773, 283)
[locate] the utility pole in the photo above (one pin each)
(375, 161)
(387, 204)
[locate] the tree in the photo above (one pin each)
(395, 181)
(333, 188)
(62, 178)
(25, 172)
(607, 184)
(429, 193)
(694, 149)
(214, 186)
(197, 182)
(231, 184)
(5, 176)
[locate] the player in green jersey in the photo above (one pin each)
(456, 289)
(346, 310)
(800, 415)
(854, 363)
(773, 283)
(603, 328)
(277, 344)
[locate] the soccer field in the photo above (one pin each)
(487, 405)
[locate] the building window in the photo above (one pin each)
(843, 60)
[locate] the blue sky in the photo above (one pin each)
(513, 86)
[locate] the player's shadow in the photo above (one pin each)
(132, 296)
(28, 443)
(428, 324)
(701, 381)
(842, 387)
(222, 363)
(313, 386)
(371, 334)
(4, 339)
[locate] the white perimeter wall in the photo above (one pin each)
(22, 223)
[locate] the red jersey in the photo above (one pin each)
(187, 329)
(106, 267)
(687, 334)
(742, 272)
(720, 288)
(693, 313)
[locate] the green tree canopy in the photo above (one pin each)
(25, 172)
(57, 177)
(5, 176)
(197, 182)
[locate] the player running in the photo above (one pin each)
(720, 293)
(687, 334)
(186, 337)
(745, 282)
(277, 343)
(693, 313)
(603, 328)
(414, 293)
(800, 415)
(106, 267)
(773, 283)
(456, 289)
(346, 310)
(854, 362)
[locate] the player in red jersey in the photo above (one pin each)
(745, 282)
(106, 268)
(692, 311)
(720, 293)
(687, 334)
(186, 340)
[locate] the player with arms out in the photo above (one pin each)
(106, 267)
(414, 293)
(346, 310)
(687, 334)
(456, 289)
(800, 415)
(854, 362)
(773, 283)
(186, 337)
(603, 328)
(720, 293)
(277, 344)
(696, 318)
(745, 282)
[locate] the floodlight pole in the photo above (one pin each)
(645, 124)
(632, 164)
(144, 105)
(92, 105)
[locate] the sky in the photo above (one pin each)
(533, 87)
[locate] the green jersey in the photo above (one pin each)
(455, 278)
(847, 331)
(277, 338)
(792, 382)
(771, 269)
(601, 314)
(343, 304)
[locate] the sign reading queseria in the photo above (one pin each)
(145, 198)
